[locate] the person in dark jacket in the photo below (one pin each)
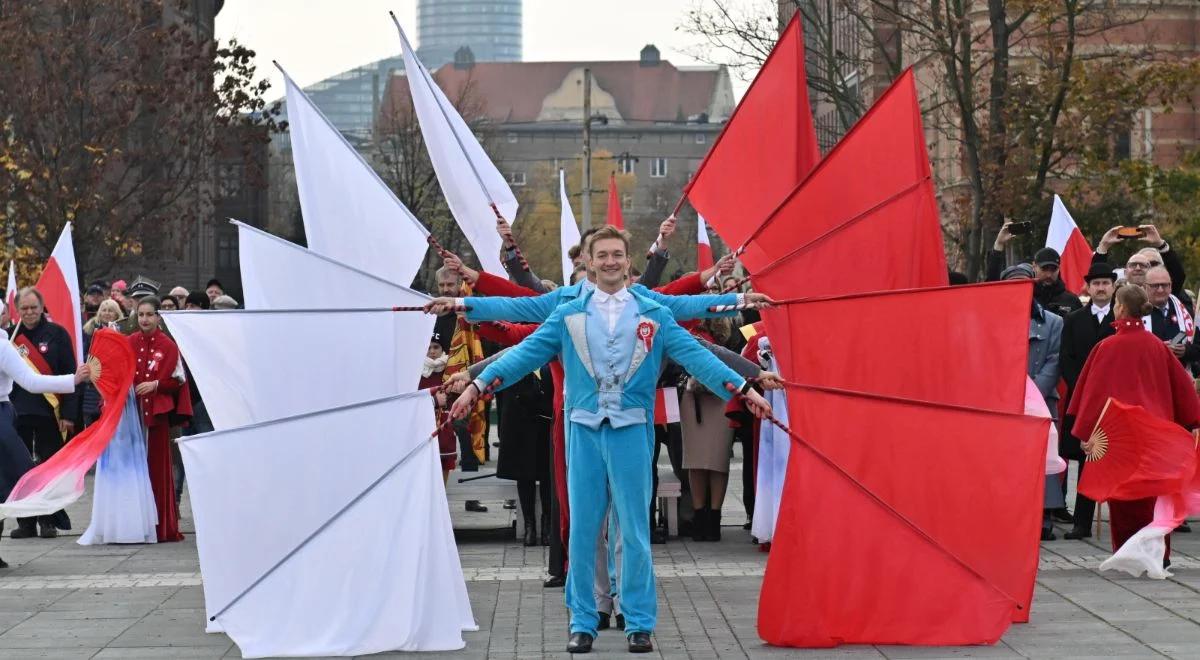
(1082, 330)
(1048, 290)
(43, 421)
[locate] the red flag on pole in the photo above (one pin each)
(880, 164)
(1133, 454)
(768, 145)
(614, 203)
(704, 253)
(59, 284)
(907, 472)
(1065, 237)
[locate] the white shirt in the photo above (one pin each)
(611, 305)
(1100, 312)
(14, 368)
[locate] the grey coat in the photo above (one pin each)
(1045, 339)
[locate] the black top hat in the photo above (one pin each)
(1099, 270)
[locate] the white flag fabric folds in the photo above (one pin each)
(775, 447)
(568, 234)
(327, 534)
(349, 213)
(277, 274)
(254, 366)
(469, 179)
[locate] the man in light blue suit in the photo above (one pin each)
(612, 341)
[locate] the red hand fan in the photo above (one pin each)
(1133, 454)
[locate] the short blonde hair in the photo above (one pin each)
(607, 231)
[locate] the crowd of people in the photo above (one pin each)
(1107, 342)
(42, 411)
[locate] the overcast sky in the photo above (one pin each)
(314, 39)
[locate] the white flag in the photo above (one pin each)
(568, 234)
(10, 294)
(469, 179)
(277, 274)
(255, 366)
(349, 212)
(59, 284)
(328, 534)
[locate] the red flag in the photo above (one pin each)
(878, 538)
(923, 344)
(59, 285)
(704, 253)
(1065, 237)
(666, 405)
(767, 146)
(1133, 454)
(614, 203)
(879, 171)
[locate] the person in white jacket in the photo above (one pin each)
(15, 460)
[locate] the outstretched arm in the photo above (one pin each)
(534, 351)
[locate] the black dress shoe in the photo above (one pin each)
(23, 533)
(1077, 533)
(1062, 515)
(531, 537)
(579, 643)
(49, 532)
(554, 582)
(475, 506)
(620, 622)
(639, 642)
(605, 621)
(3, 564)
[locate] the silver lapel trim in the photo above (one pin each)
(577, 328)
(639, 347)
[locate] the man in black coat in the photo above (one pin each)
(42, 425)
(1082, 330)
(1048, 289)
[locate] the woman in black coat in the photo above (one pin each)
(526, 412)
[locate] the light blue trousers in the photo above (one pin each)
(604, 465)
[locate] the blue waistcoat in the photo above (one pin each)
(611, 355)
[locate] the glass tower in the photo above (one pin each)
(490, 28)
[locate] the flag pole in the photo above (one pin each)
(428, 78)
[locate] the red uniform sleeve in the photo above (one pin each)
(503, 332)
(491, 285)
(688, 285)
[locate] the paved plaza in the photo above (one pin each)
(62, 600)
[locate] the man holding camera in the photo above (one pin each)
(1048, 289)
(1158, 254)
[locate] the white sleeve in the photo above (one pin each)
(179, 374)
(22, 374)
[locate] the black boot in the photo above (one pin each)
(700, 525)
(714, 525)
(531, 537)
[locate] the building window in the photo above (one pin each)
(626, 165)
(517, 178)
(701, 138)
(658, 168)
(227, 253)
(1123, 145)
(230, 180)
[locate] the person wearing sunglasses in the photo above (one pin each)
(1158, 253)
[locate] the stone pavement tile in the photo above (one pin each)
(764, 651)
(183, 628)
(59, 565)
(50, 654)
(163, 652)
(185, 598)
(114, 602)
(1180, 651)
(10, 619)
(930, 652)
(1172, 631)
(45, 631)
(26, 600)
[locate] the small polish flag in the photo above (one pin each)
(1065, 237)
(59, 285)
(10, 293)
(666, 406)
(614, 216)
(704, 255)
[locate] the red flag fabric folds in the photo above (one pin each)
(963, 345)
(614, 216)
(890, 492)
(882, 162)
(767, 146)
(1133, 454)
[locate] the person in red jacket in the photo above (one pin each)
(1136, 368)
(163, 399)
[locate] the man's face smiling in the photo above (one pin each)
(610, 262)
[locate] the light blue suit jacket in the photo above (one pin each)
(537, 309)
(565, 332)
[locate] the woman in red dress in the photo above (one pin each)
(162, 397)
(1134, 367)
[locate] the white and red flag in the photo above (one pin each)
(666, 405)
(59, 285)
(704, 253)
(10, 292)
(1065, 237)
